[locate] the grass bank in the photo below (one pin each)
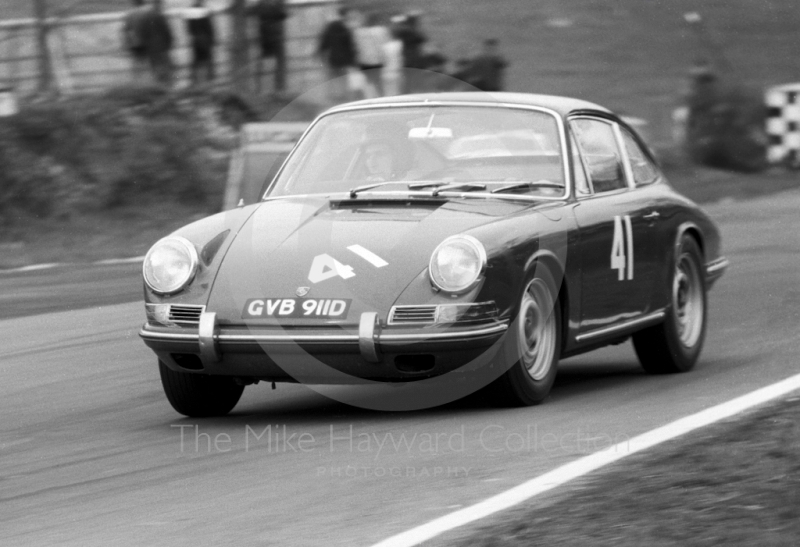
(735, 483)
(100, 176)
(105, 176)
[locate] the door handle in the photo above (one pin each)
(652, 216)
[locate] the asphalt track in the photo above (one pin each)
(92, 454)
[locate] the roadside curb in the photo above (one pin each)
(51, 265)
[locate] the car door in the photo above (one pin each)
(617, 262)
(654, 217)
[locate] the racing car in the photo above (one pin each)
(448, 242)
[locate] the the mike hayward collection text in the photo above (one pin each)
(491, 438)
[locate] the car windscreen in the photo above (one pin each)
(488, 149)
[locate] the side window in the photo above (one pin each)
(582, 187)
(599, 149)
(644, 171)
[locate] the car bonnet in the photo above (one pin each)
(362, 251)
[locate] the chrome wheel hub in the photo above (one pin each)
(537, 330)
(687, 301)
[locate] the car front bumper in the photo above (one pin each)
(374, 352)
(715, 269)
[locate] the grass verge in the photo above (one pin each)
(735, 483)
(131, 229)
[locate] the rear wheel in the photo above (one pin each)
(199, 395)
(533, 344)
(675, 344)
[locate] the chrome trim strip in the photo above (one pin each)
(286, 339)
(719, 264)
(643, 320)
(341, 338)
(493, 329)
(171, 336)
(367, 330)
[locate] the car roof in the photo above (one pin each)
(563, 105)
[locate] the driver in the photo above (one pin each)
(387, 154)
(379, 162)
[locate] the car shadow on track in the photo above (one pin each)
(302, 405)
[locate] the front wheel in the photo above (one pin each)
(199, 395)
(675, 344)
(532, 344)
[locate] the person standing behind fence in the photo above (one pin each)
(435, 64)
(200, 29)
(133, 40)
(370, 40)
(158, 40)
(271, 16)
(337, 51)
(392, 75)
(412, 37)
(488, 67)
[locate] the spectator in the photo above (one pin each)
(271, 15)
(200, 29)
(435, 63)
(463, 75)
(370, 40)
(392, 75)
(337, 51)
(706, 112)
(133, 38)
(157, 39)
(412, 37)
(486, 70)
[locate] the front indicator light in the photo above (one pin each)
(466, 313)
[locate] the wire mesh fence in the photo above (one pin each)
(87, 53)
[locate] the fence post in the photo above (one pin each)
(45, 80)
(240, 62)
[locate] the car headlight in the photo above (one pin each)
(170, 265)
(457, 264)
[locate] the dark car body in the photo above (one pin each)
(608, 239)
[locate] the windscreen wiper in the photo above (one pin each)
(528, 184)
(438, 186)
(444, 186)
(364, 187)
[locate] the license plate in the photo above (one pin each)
(297, 308)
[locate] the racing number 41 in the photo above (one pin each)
(622, 248)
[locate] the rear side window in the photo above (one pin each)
(598, 146)
(644, 171)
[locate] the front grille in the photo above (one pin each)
(412, 315)
(187, 314)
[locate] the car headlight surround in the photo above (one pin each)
(170, 265)
(457, 264)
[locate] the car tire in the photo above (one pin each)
(532, 344)
(199, 395)
(674, 345)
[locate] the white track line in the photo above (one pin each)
(585, 465)
(107, 262)
(34, 267)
